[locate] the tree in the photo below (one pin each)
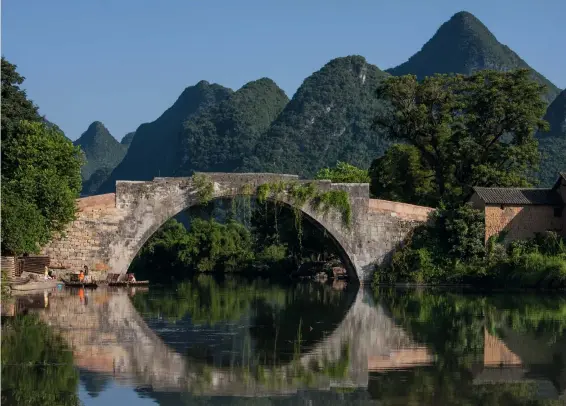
(15, 104)
(40, 171)
(40, 181)
(401, 175)
(467, 130)
(343, 172)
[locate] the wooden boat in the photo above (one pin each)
(126, 283)
(70, 284)
(38, 285)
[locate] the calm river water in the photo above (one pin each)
(256, 342)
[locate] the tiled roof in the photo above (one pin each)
(518, 196)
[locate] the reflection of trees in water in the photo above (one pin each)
(244, 322)
(354, 397)
(433, 386)
(453, 326)
(37, 366)
(315, 309)
(205, 300)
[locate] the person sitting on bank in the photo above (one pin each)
(81, 276)
(131, 277)
(87, 278)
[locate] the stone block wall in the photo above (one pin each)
(522, 222)
(87, 239)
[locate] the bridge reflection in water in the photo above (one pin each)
(110, 337)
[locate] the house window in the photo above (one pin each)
(558, 212)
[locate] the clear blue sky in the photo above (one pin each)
(123, 62)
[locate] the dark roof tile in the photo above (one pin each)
(518, 196)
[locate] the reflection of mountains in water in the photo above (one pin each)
(267, 329)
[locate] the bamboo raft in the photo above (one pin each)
(70, 284)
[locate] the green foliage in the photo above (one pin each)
(102, 153)
(401, 175)
(40, 182)
(272, 253)
(208, 246)
(219, 137)
(433, 252)
(463, 231)
(37, 366)
(298, 194)
(552, 144)
(204, 186)
(343, 172)
(450, 249)
(465, 45)
(15, 104)
(328, 120)
(40, 171)
(468, 130)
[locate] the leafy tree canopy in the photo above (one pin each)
(463, 130)
(15, 104)
(40, 172)
(402, 175)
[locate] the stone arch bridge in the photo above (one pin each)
(110, 229)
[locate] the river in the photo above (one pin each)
(242, 341)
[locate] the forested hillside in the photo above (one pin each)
(327, 120)
(220, 137)
(154, 148)
(464, 44)
(256, 128)
(553, 143)
(102, 151)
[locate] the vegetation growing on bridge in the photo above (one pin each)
(297, 194)
(344, 172)
(204, 187)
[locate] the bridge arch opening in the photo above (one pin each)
(328, 240)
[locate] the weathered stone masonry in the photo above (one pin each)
(110, 229)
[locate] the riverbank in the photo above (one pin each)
(451, 250)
